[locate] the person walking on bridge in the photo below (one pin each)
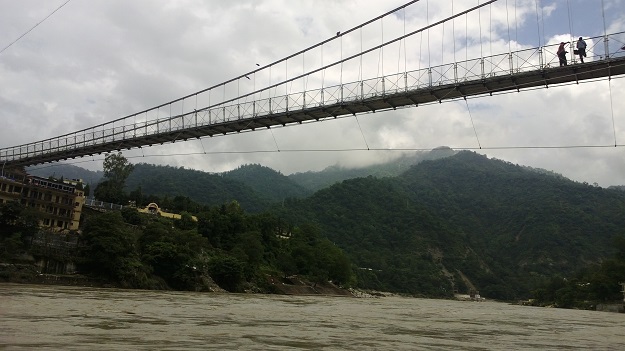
(581, 49)
(562, 54)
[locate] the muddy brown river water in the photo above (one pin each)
(38, 317)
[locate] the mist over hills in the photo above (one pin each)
(254, 186)
(58, 170)
(334, 174)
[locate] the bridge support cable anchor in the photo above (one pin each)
(459, 90)
(414, 101)
(350, 111)
(432, 92)
(386, 101)
(446, 96)
(516, 85)
(372, 109)
(295, 119)
(330, 113)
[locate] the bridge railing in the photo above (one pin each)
(509, 63)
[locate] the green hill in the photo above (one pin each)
(272, 185)
(202, 187)
(466, 221)
(448, 222)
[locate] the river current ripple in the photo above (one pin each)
(76, 318)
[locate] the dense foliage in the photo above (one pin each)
(237, 250)
(201, 187)
(17, 225)
(466, 222)
(453, 224)
(116, 171)
(599, 283)
(526, 226)
(271, 185)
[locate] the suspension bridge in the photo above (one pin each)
(328, 90)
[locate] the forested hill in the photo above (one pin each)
(536, 221)
(254, 186)
(477, 222)
(204, 188)
(458, 222)
(272, 185)
(532, 218)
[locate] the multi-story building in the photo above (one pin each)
(11, 184)
(60, 202)
(79, 202)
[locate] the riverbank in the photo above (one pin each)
(298, 286)
(24, 273)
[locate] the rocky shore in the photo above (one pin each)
(298, 286)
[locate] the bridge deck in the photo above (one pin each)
(487, 85)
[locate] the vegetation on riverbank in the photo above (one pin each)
(456, 224)
(589, 286)
(235, 250)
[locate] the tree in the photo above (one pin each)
(117, 168)
(185, 222)
(108, 246)
(131, 216)
(227, 271)
(249, 248)
(174, 255)
(137, 196)
(17, 225)
(10, 214)
(109, 192)
(116, 171)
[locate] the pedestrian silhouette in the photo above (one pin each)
(581, 49)
(562, 54)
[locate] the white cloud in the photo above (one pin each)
(96, 61)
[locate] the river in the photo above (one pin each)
(74, 318)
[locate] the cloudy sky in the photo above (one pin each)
(93, 61)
